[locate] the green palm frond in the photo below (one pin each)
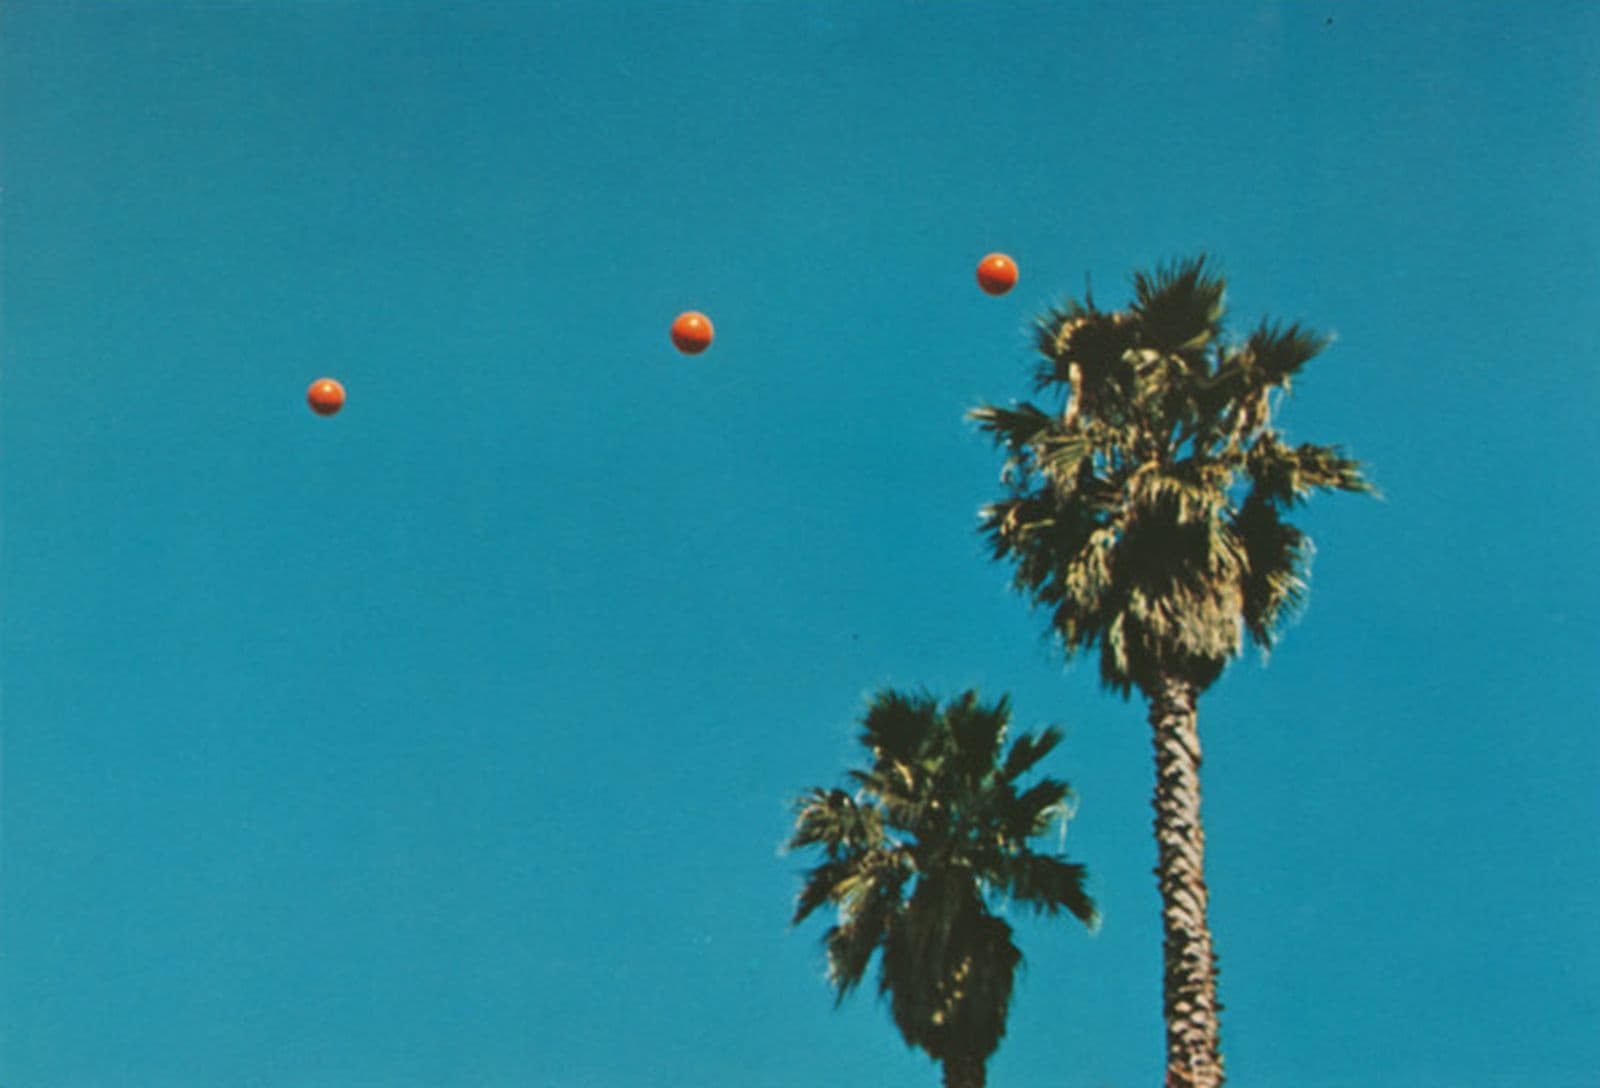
(1015, 428)
(894, 728)
(850, 947)
(1097, 344)
(833, 820)
(1026, 752)
(867, 920)
(822, 886)
(1034, 810)
(1326, 468)
(1180, 307)
(1286, 476)
(1277, 555)
(1050, 885)
(895, 791)
(1063, 551)
(1067, 461)
(1053, 328)
(977, 732)
(1184, 493)
(1275, 353)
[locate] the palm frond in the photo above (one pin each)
(1094, 343)
(894, 728)
(1063, 458)
(977, 732)
(1275, 353)
(1054, 327)
(1277, 555)
(1012, 428)
(821, 886)
(1180, 307)
(1185, 492)
(832, 819)
(1027, 750)
(896, 790)
(1287, 476)
(1032, 811)
(865, 926)
(1326, 468)
(1050, 885)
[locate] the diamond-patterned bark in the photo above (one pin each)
(1193, 1055)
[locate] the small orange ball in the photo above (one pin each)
(691, 332)
(325, 396)
(997, 274)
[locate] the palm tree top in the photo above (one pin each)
(933, 835)
(941, 793)
(1147, 512)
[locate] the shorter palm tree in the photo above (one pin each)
(935, 834)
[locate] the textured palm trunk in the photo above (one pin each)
(963, 1072)
(1194, 1058)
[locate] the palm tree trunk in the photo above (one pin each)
(1194, 1058)
(963, 1072)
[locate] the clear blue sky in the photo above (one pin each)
(447, 743)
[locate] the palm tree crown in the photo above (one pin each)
(937, 829)
(1148, 514)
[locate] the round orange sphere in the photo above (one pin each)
(691, 332)
(325, 396)
(997, 274)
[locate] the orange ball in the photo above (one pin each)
(691, 332)
(997, 274)
(325, 396)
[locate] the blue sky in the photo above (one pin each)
(447, 742)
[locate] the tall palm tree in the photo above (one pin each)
(1147, 516)
(937, 829)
